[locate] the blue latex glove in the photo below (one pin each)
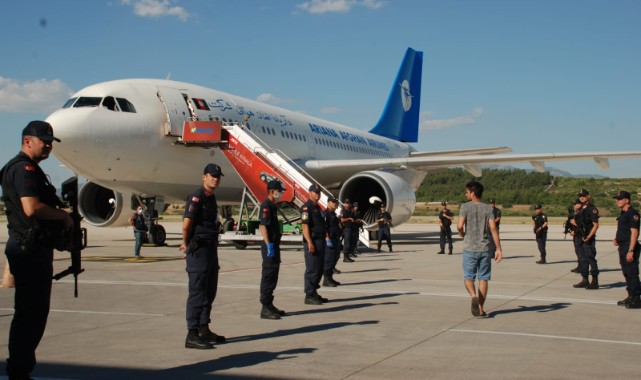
(270, 249)
(329, 243)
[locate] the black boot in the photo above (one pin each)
(194, 340)
(635, 303)
(347, 259)
(268, 313)
(625, 301)
(595, 283)
(328, 282)
(575, 270)
(276, 310)
(209, 336)
(379, 248)
(583, 284)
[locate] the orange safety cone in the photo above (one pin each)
(7, 277)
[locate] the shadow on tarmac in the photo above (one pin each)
(538, 308)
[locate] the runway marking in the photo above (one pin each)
(98, 312)
(346, 289)
(545, 336)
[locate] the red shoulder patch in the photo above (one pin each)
(30, 168)
(195, 199)
(636, 218)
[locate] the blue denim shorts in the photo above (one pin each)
(477, 263)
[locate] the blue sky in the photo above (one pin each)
(537, 76)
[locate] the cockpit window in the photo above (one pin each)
(87, 101)
(125, 105)
(69, 103)
(109, 103)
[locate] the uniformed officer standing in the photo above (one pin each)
(200, 243)
(384, 220)
(332, 243)
(347, 220)
(137, 220)
(31, 205)
(270, 250)
(587, 223)
(314, 231)
(497, 220)
(445, 218)
(540, 227)
(356, 228)
(627, 240)
(576, 237)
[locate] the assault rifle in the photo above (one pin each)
(568, 226)
(75, 240)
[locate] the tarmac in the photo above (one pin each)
(399, 315)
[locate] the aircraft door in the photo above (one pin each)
(176, 108)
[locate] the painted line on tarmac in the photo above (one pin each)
(545, 336)
(345, 289)
(98, 312)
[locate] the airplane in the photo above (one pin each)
(124, 137)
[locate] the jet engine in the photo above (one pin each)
(389, 188)
(103, 207)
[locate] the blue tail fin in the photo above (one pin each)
(399, 120)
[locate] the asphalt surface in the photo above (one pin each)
(400, 315)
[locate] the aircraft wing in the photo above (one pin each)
(471, 163)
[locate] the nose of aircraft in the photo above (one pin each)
(71, 128)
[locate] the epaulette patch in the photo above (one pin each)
(30, 168)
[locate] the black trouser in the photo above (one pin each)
(446, 236)
(630, 270)
(384, 233)
(269, 277)
(314, 265)
(354, 240)
(541, 239)
(576, 241)
(331, 257)
(587, 258)
(347, 241)
(202, 270)
(33, 273)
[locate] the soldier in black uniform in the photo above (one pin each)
(627, 240)
(347, 220)
(332, 243)
(445, 218)
(314, 231)
(497, 219)
(570, 227)
(270, 250)
(32, 208)
(384, 220)
(200, 243)
(356, 228)
(587, 223)
(540, 228)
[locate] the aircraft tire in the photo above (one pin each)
(158, 235)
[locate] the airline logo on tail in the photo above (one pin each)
(406, 96)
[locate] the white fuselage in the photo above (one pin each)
(137, 152)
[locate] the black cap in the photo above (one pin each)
(275, 184)
(537, 206)
(332, 199)
(622, 195)
(443, 203)
(41, 130)
(355, 204)
(577, 201)
(382, 205)
(492, 201)
(583, 193)
(214, 170)
(315, 188)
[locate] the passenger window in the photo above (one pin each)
(125, 105)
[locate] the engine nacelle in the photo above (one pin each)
(393, 190)
(102, 207)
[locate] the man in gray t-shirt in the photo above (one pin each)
(476, 226)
